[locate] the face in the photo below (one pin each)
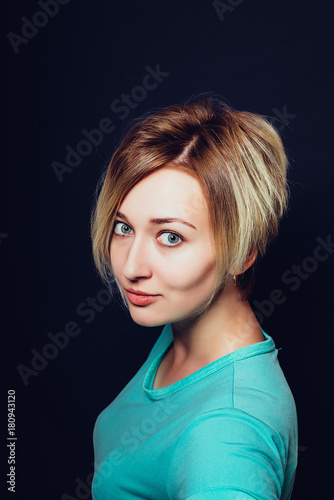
(163, 248)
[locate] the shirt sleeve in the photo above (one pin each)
(227, 454)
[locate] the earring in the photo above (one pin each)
(235, 277)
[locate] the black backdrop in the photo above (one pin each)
(77, 66)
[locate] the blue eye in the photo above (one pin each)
(125, 228)
(166, 238)
(170, 239)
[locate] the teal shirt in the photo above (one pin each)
(227, 431)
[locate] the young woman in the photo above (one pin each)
(191, 198)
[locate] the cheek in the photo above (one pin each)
(194, 274)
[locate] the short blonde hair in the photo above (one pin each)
(237, 157)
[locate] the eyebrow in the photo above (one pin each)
(160, 220)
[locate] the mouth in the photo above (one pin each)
(139, 298)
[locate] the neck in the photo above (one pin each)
(228, 325)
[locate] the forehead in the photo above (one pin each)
(168, 192)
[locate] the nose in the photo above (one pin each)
(137, 264)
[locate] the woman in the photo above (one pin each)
(191, 198)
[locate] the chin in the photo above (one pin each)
(148, 323)
(146, 318)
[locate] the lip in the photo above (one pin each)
(139, 298)
(139, 292)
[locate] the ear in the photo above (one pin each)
(249, 262)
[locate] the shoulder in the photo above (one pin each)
(231, 450)
(214, 429)
(250, 445)
(261, 389)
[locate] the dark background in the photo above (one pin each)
(274, 58)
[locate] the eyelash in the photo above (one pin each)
(163, 232)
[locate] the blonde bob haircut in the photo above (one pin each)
(238, 159)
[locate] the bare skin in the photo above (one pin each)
(163, 245)
(205, 341)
